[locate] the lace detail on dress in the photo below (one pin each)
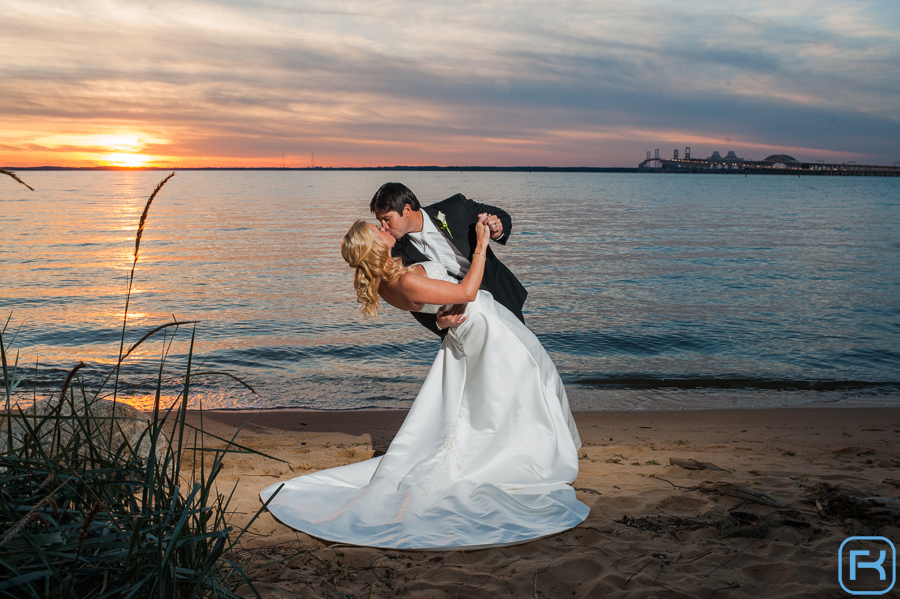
(435, 270)
(444, 465)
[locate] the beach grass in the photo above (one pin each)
(99, 500)
(3, 171)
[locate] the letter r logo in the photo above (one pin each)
(862, 565)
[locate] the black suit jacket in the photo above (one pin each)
(461, 214)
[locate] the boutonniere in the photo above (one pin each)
(443, 220)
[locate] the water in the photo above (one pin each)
(649, 291)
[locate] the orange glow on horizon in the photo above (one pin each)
(88, 145)
(81, 145)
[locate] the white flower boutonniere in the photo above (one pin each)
(443, 220)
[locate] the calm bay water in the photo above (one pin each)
(649, 291)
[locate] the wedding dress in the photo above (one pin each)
(484, 458)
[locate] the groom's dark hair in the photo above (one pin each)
(393, 197)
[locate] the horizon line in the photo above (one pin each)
(327, 168)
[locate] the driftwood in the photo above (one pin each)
(877, 506)
(689, 464)
(846, 502)
(740, 492)
(730, 524)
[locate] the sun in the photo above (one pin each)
(122, 149)
(125, 160)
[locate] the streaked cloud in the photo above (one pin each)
(395, 82)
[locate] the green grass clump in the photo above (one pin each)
(93, 506)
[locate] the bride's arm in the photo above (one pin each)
(419, 289)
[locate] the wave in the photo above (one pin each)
(749, 383)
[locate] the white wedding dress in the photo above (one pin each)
(484, 458)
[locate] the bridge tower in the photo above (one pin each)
(653, 160)
(676, 154)
(687, 153)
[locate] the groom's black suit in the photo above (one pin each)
(462, 214)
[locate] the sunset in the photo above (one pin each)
(261, 84)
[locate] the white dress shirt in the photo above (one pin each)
(434, 244)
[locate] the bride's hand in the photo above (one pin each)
(482, 233)
(452, 317)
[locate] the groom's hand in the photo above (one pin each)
(452, 317)
(493, 223)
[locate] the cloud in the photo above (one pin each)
(400, 82)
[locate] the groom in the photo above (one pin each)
(445, 232)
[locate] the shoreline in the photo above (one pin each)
(583, 399)
(352, 419)
(656, 528)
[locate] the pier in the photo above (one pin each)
(776, 164)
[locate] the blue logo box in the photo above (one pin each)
(867, 565)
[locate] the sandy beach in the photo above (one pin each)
(692, 504)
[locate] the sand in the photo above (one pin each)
(655, 529)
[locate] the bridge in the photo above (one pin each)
(777, 164)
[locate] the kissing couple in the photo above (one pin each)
(488, 451)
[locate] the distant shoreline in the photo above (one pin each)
(842, 171)
(527, 169)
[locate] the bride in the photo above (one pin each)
(489, 448)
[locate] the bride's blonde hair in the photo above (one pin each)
(372, 260)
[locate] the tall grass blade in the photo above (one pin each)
(137, 249)
(16, 177)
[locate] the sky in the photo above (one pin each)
(354, 83)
